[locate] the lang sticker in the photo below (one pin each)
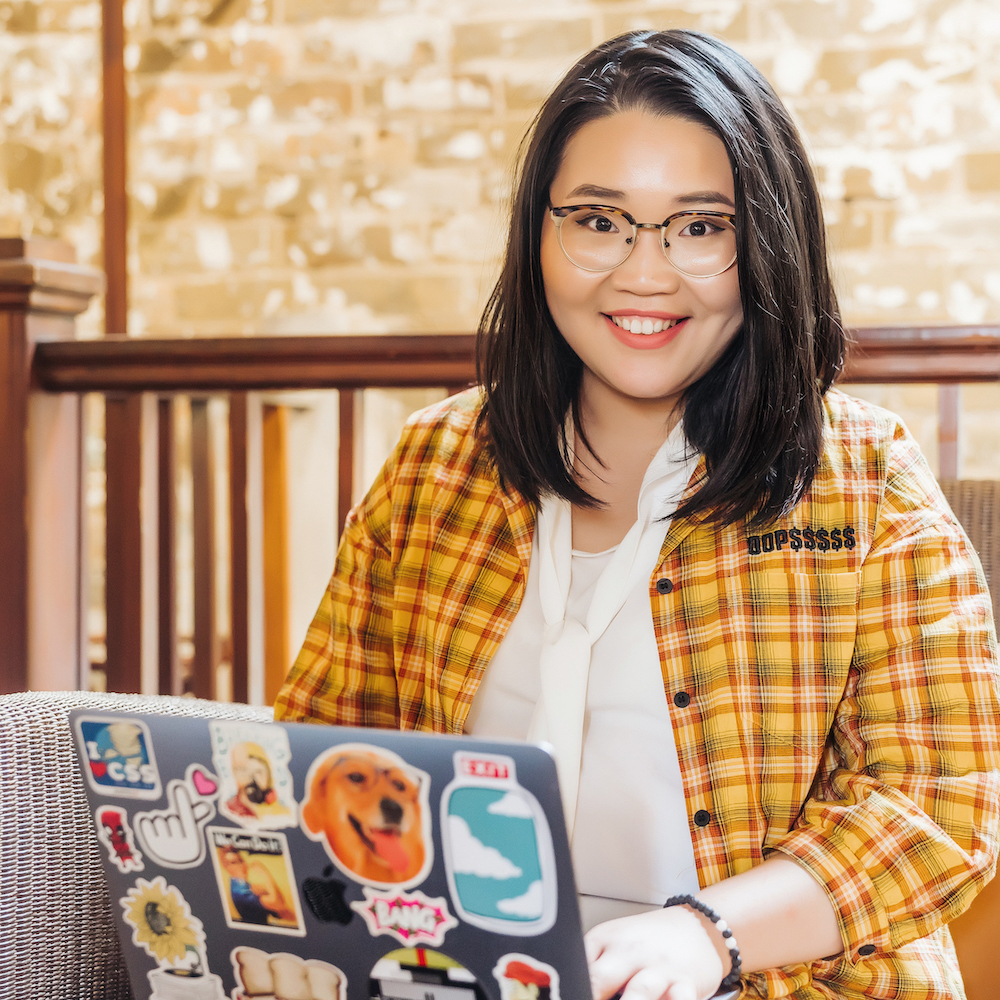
(369, 809)
(522, 977)
(422, 974)
(256, 882)
(119, 758)
(259, 974)
(498, 852)
(172, 837)
(410, 917)
(116, 835)
(165, 928)
(251, 759)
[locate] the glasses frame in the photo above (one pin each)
(559, 214)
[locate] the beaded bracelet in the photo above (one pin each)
(732, 979)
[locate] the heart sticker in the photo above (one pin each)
(203, 784)
(99, 768)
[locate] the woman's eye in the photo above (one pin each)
(598, 223)
(700, 227)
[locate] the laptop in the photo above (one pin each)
(253, 861)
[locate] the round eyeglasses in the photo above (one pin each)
(599, 238)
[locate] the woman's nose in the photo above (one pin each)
(646, 268)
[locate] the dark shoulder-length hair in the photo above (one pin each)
(757, 414)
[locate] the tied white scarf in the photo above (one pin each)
(560, 713)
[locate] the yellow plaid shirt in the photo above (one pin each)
(841, 666)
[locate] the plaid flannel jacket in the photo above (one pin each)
(841, 665)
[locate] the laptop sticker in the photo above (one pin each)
(259, 974)
(115, 834)
(253, 870)
(410, 917)
(422, 974)
(498, 853)
(119, 756)
(524, 978)
(325, 898)
(251, 760)
(172, 837)
(164, 927)
(369, 809)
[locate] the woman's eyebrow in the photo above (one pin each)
(595, 191)
(694, 198)
(701, 197)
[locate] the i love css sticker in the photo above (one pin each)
(118, 756)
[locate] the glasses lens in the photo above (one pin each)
(596, 239)
(701, 245)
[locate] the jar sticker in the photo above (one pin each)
(498, 851)
(172, 837)
(253, 870)
(422, 974)
(251, 759)
(369, 809)
(115, 834)
(410, 917)
(260, 974)
(118, 754)
(165, 928)
(522, 977)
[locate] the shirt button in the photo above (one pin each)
(664, 586)
(866, 950)
(682, 699)
(703, 817)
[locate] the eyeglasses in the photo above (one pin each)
(599, 238)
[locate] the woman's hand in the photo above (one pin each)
(662, 955)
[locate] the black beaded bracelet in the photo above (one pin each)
(732, 979)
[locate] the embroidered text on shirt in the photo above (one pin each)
(811, 539)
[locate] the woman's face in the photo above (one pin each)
(651, 167)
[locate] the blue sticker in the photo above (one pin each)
(118, 756)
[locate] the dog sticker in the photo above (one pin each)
(259, 974)
(172, 837)
(118, 756)
(524, 978)
(253, 870)
(369, 809)
(422, 974)
(115, 834)
(410, 917)
(251, 760)
(164, 927)
(498, 853)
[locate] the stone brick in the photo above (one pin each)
(982, 172)
(541, 39)
(317, 100)
(839, 69)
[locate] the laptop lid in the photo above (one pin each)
(300, 862)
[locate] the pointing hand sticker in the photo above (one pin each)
(173, 836)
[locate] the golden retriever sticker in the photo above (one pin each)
(369, 809)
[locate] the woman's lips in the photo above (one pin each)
(646, 341)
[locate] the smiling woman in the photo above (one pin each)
(731, 598)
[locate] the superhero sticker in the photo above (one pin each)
(251, 760)
(115, 834)
(119, 756)
(256, 882)
(172, 837)
(259, 974)
(498, 852)
(422, 974)
(164, 927)
(369, 809)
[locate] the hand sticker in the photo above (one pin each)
(173, 836)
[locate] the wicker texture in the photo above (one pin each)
(976, 503)
(57, 931)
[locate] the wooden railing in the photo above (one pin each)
(45, 371)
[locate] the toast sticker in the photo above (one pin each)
(116, 835)
(410, 917)
(422, 974)
(369, 809)
(524, 978)
(498, 852)
(118, 756)
(256, 882)
(259, 974)
(166, 930)
(251, 760)
(172, 837)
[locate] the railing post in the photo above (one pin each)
(42, 290)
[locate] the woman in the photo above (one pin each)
(732, 598)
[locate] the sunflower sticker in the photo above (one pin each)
(165, 928)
